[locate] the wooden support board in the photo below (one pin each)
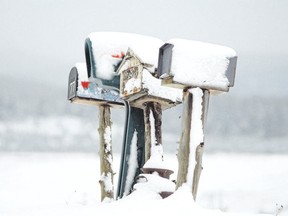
(187, 151)
(105, 153)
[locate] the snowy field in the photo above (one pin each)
(67, 183)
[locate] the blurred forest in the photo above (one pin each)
(38, 117)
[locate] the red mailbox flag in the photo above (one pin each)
(85, 84)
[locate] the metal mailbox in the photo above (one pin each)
(93, 70)
(166, 56)
(85, 91)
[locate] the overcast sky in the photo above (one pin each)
(41, 40)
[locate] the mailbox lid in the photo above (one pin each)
(164, 59)
(231, 70)
(72, 83)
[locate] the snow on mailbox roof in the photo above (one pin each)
(194, 63)
(200, 64)
(109, 47)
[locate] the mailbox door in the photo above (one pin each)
(164, 59)
(231, 71)
(72, 83)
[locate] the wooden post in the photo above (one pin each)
(157, 114)
(200, 148)
(147, 132)
(105, 153)
(184, 150)
(189, 171)
(156, 110)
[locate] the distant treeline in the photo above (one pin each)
(29, 113)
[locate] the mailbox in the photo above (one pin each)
(131, 70)
(139, 86)
(85, 91)
(103, 71)
(105, 52)
(186, 64)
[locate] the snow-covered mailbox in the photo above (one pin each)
(199, 69)
(199, 64)
(83, 90)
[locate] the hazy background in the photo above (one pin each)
(40, 41)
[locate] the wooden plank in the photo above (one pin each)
(147, 132)
(185, 148)
(169, 81)
(156, 110)
(95, 102)
(105, 154)
(200, 148)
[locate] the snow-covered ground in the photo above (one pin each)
(67, 184)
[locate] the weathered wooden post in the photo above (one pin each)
(192, 144)
(106, 153)
(199, 69)
(154, 109)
